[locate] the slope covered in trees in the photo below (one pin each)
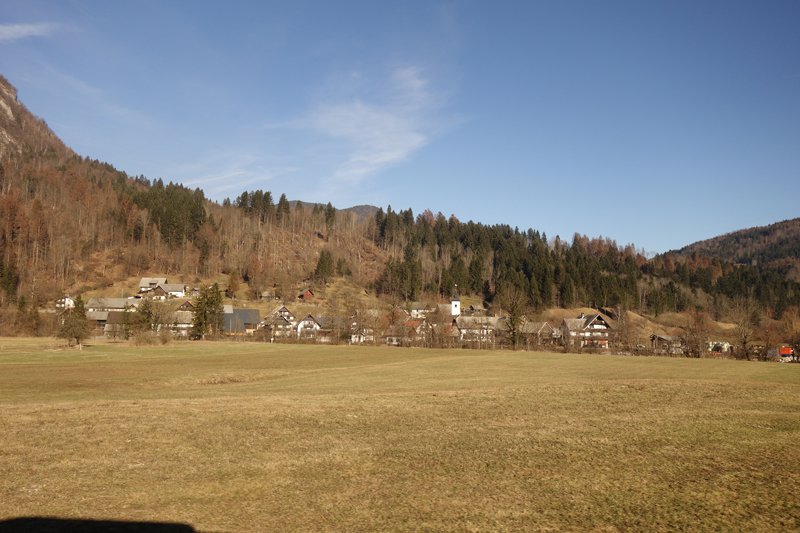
(436, 255)
(69, 223)
(775, 247)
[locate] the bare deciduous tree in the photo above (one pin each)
(696, 333)
(744, 314)
(624, 329)
(513, 300)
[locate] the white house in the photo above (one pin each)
(65, 303)
(174, 290)
(592, 330)
(307, 327)
(149, 284)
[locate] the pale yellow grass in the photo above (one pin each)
(247, 437)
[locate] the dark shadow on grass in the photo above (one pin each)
(65, 525)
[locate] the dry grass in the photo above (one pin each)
(247, 437)
(556, 315)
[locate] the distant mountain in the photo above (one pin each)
(363, 211)
(776, 246)
(309, 205)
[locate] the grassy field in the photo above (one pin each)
(229, 437)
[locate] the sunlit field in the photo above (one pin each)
(228, 437)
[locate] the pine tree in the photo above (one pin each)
(268, 208)
(205, 254)
(325, 266)
(143, 320)
(76, 325)
(330, 218)
(233, 283)
(208, 312)
(284, 210)
(476, 274)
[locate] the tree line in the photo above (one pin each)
(436, 256)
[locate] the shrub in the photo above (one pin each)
(144, 338)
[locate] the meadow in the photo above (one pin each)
(230, 437)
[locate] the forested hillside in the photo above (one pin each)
(69, 224)
(775, 247)
(72, 224)
(435, 255)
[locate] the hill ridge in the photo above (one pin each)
(774, 246)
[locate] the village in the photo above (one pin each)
(414, 324)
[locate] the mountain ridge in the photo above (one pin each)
(774, 246)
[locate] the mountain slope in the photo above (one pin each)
(72, 224)
(776, 247)
(21, 133)
(363, 211)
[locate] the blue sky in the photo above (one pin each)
(657, 124)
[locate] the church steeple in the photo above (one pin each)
(455, 304)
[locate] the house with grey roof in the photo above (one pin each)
(279, 326)
(307, 327)
(113, 304)
(480, 329)
(148, 284)
(421, 309)
(476, 309)
(331, 328)
(172, 290)
(591, 330)
(241, 321)
(179, 323)
(667, 344)
(97, 320)
(115, 325)
(537, 333)
(98, 310)
(283, 311)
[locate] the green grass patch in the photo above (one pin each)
(254, 437)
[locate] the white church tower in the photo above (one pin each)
(455, 304)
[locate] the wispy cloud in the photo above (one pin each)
(378, 134)
(228, 173)
(98, 98)
(15, 32)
